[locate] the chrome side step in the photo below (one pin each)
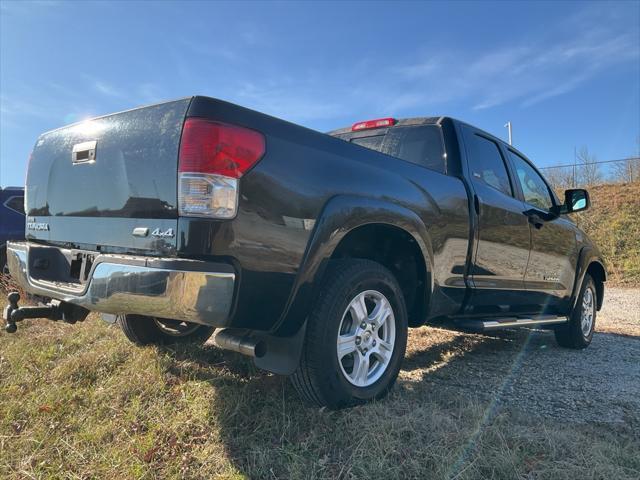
(510, 322)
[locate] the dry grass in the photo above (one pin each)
(614, 224)
(81, 402)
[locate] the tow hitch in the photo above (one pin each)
(54, 310)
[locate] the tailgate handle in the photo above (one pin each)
(84, 152)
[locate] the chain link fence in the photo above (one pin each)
(624, 170)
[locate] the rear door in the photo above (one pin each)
(502, 235)
(551, 269)
(92, 184)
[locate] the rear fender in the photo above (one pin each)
(340, 215)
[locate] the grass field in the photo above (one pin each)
(81, 402)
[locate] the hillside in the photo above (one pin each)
(613, 222)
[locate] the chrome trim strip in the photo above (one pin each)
(118, 288)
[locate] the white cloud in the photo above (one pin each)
(107, 89)
(567, 54)
(527, 72)
(286, 101)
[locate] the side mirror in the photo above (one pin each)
(575, 200)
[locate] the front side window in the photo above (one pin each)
(534, 188)
(486, 163)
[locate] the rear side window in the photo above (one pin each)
(421, 145)
(16, 204)
(486, 163)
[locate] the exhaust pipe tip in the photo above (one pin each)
(240, 341)
(260, 349)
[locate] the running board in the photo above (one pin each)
(512, 322)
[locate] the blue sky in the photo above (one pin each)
(566, 74)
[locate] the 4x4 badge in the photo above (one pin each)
(168, 233)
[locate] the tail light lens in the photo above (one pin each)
(213, 157)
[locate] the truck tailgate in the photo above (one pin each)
(93, 183)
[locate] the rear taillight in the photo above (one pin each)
(213, 156)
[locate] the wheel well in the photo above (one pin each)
(397, 250)
(596, 271)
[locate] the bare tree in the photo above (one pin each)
(589, 170)
(560, 178)
(628, 170)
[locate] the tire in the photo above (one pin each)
(4, 269)
(321, 378)
(143, 330)
(578, 332)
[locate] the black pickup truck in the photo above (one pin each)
(313, 253)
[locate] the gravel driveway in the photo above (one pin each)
(525, 370)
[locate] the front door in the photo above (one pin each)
(551, 269)
(502, 238)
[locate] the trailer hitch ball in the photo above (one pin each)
(54, 310)
(13, 298)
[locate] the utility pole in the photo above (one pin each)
(508, 125)
(575, 160)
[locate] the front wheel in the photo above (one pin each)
(356, 336)
(578, 332)
(143, 330)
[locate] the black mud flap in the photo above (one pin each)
(282, 353)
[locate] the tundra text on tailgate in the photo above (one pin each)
(312, 253)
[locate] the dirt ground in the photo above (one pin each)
(526, 370)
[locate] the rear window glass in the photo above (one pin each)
(374, 143)
(421, 145)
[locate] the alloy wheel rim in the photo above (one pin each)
(588, 307)
(366, 338)
(175, 328)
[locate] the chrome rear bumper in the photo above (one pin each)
(188, 290)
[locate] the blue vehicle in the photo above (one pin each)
(11, 220)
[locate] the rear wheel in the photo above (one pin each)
(356, 336)
(578, 332)
(143, 330)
